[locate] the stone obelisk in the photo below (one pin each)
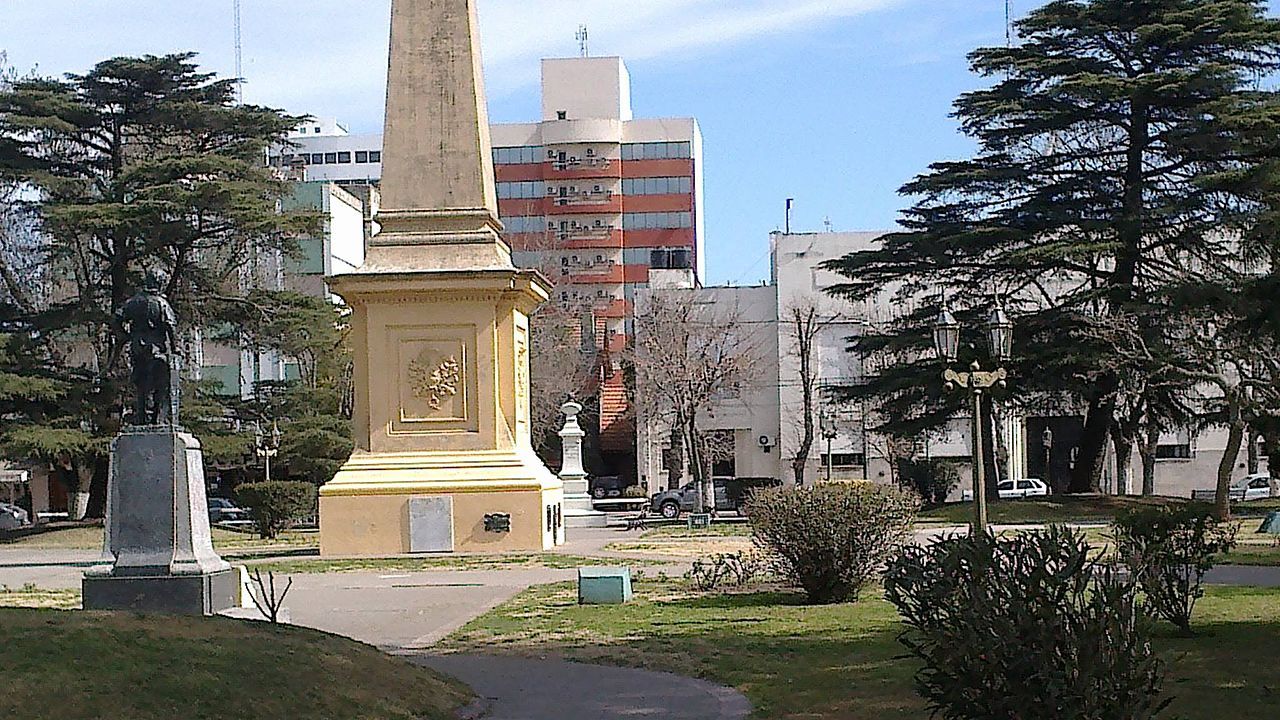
(440, 325)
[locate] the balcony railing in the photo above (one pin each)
(576, 163)
(603, 197)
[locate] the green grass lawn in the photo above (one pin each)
(89, 537)
(843, 662)
(31, 597)
(83, 665)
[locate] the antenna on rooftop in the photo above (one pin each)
(584, 40)
(239, 59)
(826, 222)
(1008, 23)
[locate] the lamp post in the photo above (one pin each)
(946, 340)
(267, 445)
(1046, 438)
(829, 434)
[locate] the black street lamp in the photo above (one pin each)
(267, 445)
(829, 432)
(946, 341)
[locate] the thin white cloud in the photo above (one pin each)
(328, 57)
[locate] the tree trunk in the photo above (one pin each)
(1254, 461)
(1227, 466)
(675, 458)
(1272, 441)
(1124, 461)
(1148, 452)
(1087, 475)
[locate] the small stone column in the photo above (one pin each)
(578, 511)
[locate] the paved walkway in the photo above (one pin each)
(522, 689)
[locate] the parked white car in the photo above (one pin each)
(1251, 487)
(1014, 489)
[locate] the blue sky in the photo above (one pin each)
(833, 102)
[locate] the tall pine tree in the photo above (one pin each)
(1094, 193)
(142, 163)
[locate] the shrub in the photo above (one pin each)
(635, 491)
(741, 568)
(1169, 549)
(1029, 627)
(831, 539)
(932, 480)
(277, 505)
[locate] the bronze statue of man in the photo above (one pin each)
(150, 324)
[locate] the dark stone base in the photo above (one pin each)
(169, 594)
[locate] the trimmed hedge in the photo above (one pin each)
(277, 505)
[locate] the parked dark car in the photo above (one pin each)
(223, 510)
(731, 493)
(607, 486)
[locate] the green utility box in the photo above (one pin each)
(604, 585)
(1271, 525)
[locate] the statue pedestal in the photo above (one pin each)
(579, 512)
(158, 553)
(444, 459)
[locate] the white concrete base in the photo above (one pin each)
(585, 519)
(578, 509)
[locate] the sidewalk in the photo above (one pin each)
(544, 689)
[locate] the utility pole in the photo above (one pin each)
(239, 58)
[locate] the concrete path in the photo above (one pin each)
(405, 611)
(524, 689)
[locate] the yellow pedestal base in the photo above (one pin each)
(364, 510)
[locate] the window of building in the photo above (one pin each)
(523, 224)
(657, 186)
(344, 158)
(375, 156)
(657, 221)
(657, 151)
(521, 190)
(562, 115)
(671, 259)
(362, 156)
(845, 460)
(525, 155)
(331, 158)
(317, 158)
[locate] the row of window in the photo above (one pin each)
(534, 189)
(630, 221)
(361, 157)
(658, 186)
(657, 221)
(521, 190)
(530, 154)
(525, 224)
(517, 155)
(671, 259)
(657, 151)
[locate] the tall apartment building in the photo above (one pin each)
(590, 195)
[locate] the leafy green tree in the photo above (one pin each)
(141, 163)
(1097, 188)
